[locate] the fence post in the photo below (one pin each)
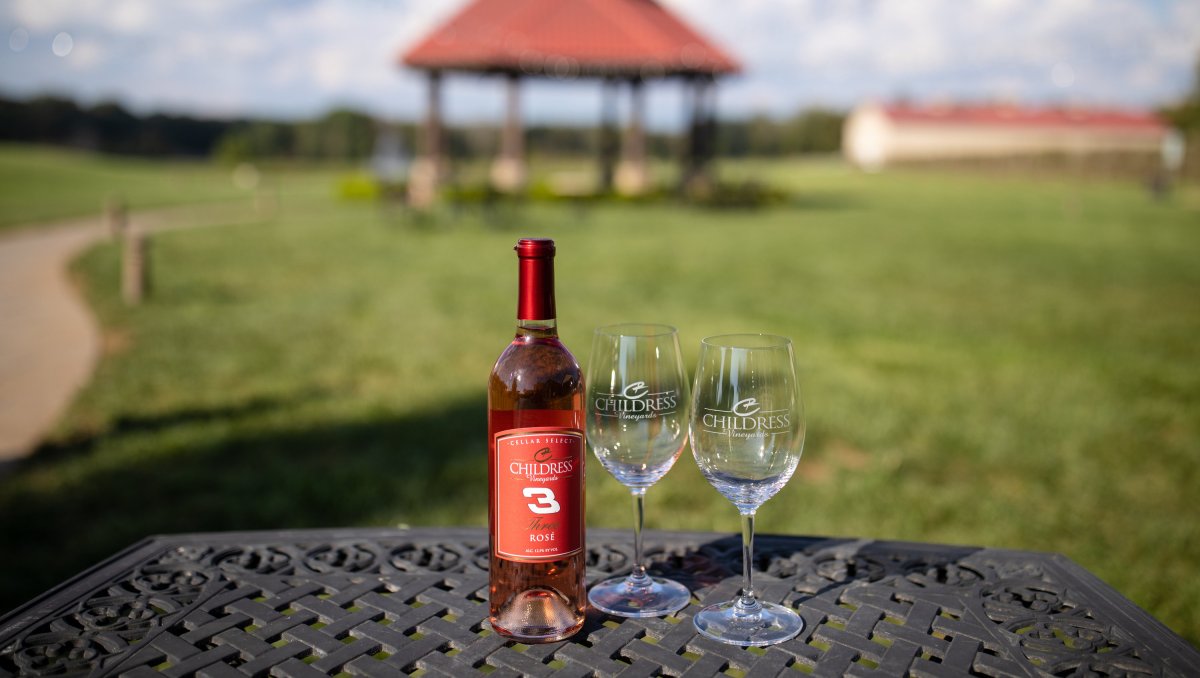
(134, 266)
(115, 216)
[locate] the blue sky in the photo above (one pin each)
(297, 58)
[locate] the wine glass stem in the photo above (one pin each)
(638, 576)
(747, 604)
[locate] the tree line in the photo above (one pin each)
(110, 128)
(1185, 114)
(106, 127)
(349, 135)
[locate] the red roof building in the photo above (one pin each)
(1016, 116)
(630, 41)
(876, 135)
(562, 38)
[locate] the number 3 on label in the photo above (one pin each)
(545, 500)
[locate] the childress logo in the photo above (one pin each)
(635, 391)
(746, 419)
(636, 401)
(746, 408)
(543, 464)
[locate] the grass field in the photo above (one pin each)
(986, 360)
(42, 183)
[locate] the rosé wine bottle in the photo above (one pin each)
(535, 468)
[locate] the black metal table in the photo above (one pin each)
(393, 602)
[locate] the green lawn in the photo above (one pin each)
(986, 360)
(43, 183)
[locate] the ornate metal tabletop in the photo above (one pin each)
(397, 602)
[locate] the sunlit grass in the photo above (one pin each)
(986, 360)
(41, 183)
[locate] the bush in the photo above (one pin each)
(358, 186)
(735, 195)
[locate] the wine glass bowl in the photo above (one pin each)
(637, 428)
(637, 404)
(747, 432)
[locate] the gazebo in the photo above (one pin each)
(615, 41)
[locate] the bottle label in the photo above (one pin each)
(539, 493)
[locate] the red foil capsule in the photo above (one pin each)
(535, 299)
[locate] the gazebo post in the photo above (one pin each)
(691, 106)
(632, 177)
(708, 127)
(427, 169)
(701, 131)
(608, 133)
(508, 171)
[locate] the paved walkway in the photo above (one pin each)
(49, 340)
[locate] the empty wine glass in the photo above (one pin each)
(747, 428)
(637, 425)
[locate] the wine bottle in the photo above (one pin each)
(535, 470)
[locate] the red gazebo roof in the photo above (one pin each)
(566, 38)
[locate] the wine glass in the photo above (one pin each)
(747, 428)
(637, 407)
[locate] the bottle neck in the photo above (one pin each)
(537, 329)
(535, 300)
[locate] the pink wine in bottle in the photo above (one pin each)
(535, 469)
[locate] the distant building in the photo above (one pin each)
(878, 135)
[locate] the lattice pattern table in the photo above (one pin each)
(399, 602)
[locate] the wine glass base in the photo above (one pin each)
(623, 597)
(724, 622)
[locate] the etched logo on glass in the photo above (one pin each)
(746, 419)
(636, 401)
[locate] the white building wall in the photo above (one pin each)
(871, 139)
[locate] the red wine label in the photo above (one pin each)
(539, 493)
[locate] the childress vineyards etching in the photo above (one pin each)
(635, 401)
(747, 419)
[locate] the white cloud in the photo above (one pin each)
(330, 68)
(131, 16)
(840, 42)
(281, 57)
(87, 55)
(41, 15)
(244, 44)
